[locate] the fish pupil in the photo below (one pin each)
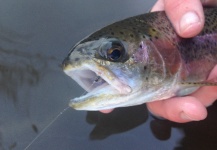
(115, 54)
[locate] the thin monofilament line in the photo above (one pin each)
(95, 81)
(46, 128)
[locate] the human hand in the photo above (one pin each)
(187, 17)
(188, 20)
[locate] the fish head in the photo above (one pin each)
(114, 67)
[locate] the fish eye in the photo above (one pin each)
(112, 50)
(114, 53)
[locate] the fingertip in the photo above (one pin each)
(209, 2)
(158, 6)
(187, 17)
(190, 24)
(106, 111)
(179, 109)
(193, 111)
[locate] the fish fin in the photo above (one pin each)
(212, 82)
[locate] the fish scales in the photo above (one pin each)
(141, 59)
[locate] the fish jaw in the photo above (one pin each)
(101, 98)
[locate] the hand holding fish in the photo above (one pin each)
(188, 19)
(188, 108)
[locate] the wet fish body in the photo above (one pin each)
(141, 59)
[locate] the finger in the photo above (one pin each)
(186, 16)
(158, 6)
(209, 2)
(208, 94)
(106, 111)
(179, 109)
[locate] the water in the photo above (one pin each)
(34, 39)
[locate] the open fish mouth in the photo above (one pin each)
(87, 79)
(96, 80)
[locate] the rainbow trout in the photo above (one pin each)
(141, 59)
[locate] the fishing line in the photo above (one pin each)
(95, 81)
(64, 110)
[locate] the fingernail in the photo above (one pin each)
(184, 116)
(188, 19)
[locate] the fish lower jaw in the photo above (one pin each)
(91, 100)
(103, 100)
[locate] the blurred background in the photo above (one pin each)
(35, 36)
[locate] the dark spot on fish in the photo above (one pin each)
(131, 35)
(144, 36)
(156, 37)
(206, 30)
(146, 78)
(153, 30)
(121, 32)
(77, 59)
(112, 33)
(145, 67)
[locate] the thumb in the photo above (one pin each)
(186, 16)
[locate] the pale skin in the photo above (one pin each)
(188, 20)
